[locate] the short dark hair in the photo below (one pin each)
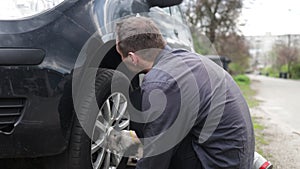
(138, 33)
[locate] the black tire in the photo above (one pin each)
(79, 151)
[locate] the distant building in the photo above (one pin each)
(261, 46)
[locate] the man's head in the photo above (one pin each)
(138, 42)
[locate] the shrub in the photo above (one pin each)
(242, 79)
(235, 68)
(295, 71)
(270, 71)
(284, 68)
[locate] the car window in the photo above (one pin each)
(177, 14)
(167, 10)
(163, 10)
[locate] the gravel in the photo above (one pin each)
(283, 143)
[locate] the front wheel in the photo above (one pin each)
(92, 128)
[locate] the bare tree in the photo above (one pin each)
(286, 52)
(236, 48)
(214, 17)
(217, 19)
(287, 55)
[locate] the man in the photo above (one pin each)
(194, 114)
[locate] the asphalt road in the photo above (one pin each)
(280, 98)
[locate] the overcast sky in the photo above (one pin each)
(277, 17)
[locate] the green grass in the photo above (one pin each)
(249, 94)
(244, 83)
(258, 128)
(259, 137)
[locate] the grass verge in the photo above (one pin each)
(244, 83)
(259, 135)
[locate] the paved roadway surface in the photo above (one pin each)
(281, 98)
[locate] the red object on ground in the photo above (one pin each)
(266, 165)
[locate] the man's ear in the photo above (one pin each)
(133, 57)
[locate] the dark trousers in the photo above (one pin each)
(185, 156)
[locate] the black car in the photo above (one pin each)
(57, 64)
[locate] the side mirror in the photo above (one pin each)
(163, 3)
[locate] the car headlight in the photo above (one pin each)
(19, 9)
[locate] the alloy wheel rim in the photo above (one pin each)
(112, 115)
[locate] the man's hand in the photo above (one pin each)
(123, 142)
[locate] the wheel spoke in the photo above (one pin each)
(99, 132)
(100, 159)
(122, 120)
(100, 126)
(107, 111)
(116, 159)
(107, 160)
(122, 125)
(122, 111)
(96, 146)
(122, 117)
(115, 107)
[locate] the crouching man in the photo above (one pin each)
(194, 115)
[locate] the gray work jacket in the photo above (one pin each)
(186, 94)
